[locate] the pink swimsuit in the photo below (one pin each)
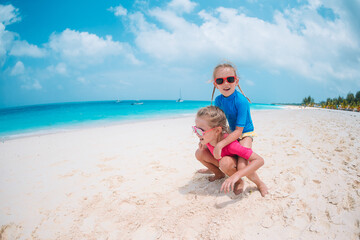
(233, 149)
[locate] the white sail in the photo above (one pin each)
(180, 98)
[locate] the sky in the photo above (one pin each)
(70, 51)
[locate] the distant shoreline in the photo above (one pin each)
(315, 107)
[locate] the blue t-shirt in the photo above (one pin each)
(237, 111)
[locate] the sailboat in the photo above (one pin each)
(180, 99)
(137, 102)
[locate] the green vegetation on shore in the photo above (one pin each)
(350, 103)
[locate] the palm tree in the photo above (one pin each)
(357, 97)
(350, 98)
(308, 101)
(351, 102)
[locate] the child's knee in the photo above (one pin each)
(246, 142)
(241, 163)
(227, 163)
(199, 154)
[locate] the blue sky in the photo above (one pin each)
(68, 51)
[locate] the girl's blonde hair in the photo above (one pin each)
(226, 65)
(215, 117)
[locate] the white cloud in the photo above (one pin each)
(18, 69)
(249, 82)
(32, 86)
(6, 38)
(8, 44)
(181, 6)
(118, 11)
(314, 4)
(298, 40)
(8, 14)
(332, 46)
(81, 79)
(23, 48)
(61, 68)
(85, 48)
(180, 39)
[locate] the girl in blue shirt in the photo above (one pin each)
(237, 110)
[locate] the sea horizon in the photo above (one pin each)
(29, 120)
(128, 100)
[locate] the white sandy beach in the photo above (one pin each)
(139, 181)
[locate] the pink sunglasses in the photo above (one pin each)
(201, 132)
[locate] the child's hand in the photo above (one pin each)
(228, 184)
(217, 151)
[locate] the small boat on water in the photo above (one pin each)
(180, 99)
(137, 103)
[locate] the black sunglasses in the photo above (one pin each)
(230, 79)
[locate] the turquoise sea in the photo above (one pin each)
(45, 118)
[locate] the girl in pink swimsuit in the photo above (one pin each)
(211, 127)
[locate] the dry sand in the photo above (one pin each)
(138, 181)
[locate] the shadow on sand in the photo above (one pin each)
(199, 185)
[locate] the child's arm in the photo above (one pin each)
(255, 162)
(226, 141)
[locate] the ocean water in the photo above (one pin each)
(38, 119)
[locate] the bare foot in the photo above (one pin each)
(263, 189)
(204, 171)
(216, 177)
(239, 187)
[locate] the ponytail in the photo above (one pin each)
(243, 93)
(212, 96)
